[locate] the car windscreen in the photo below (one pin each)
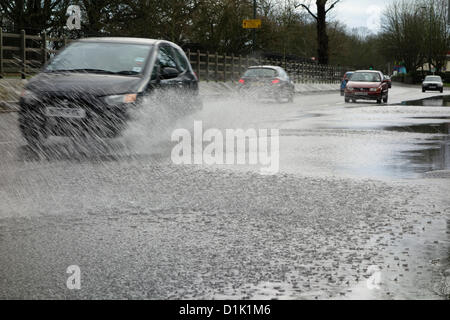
(120, 58)
(433, 78)
(365, 77)
(260, 73)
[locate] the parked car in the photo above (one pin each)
(345, 80)
(267, 82)
(367, 85)
(433, 83)
(389, 81)
(92, 84)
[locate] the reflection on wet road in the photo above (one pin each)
(441, 101)
(141, 227)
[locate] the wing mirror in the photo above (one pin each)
(169, 73)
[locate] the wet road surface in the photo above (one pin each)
(360, 185)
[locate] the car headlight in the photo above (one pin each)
(28, 96)
(120, 99)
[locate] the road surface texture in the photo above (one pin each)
(360, 208)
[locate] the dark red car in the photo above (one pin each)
(367, 85)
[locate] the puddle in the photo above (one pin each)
(427, 128)
(439, 101)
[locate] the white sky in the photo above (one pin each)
(360, 13)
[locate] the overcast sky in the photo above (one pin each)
(360, 13)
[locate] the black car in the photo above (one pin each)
(267, 82)
(92, 84)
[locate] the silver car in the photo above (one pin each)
(433, 83)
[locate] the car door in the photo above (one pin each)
(179, 85)
(187, 78)
(167, 69)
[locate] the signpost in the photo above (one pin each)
(251, 24)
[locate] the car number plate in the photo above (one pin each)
(361, 93)
(65, 112)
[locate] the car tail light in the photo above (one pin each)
(274, 81)
(241, 81)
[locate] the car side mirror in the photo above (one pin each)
(169, 73)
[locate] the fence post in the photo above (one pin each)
(240, 65)
(224, 67)
(44, 48)
(1, 53)
(232, 67)
(207, 65)
(23, 53)
(216, 71)
(198, 64)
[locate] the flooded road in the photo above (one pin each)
(361, 196)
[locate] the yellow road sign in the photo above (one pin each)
(251, 24)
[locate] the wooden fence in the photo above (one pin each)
(223, 67)
(22, 54)
(25, 55)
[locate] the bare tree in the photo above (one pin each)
(415, 33)
(321, 19)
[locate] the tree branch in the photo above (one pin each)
(332, 6)
(307, 9)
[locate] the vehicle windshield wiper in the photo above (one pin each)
(83, 70)
(126, 72)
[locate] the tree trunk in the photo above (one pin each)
(322, 36)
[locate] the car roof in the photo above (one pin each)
(369, 71)
(124, 40)
(266, 67)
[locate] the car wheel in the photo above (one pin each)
(347, 100)
(379, 101)
(34, 138)
(423, 90)
(442, 90)
(32, 131)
